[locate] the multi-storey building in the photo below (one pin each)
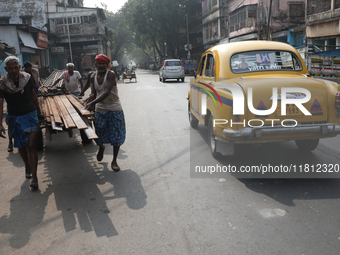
(322, 25)
(23, 25)
(44, 31)
(80, 29)
(234, 20)
(214, 21)
(248, 20)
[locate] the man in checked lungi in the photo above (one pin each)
(109, 116)
(17, 87)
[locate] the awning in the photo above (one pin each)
(6, 50)
(28, 40)
(280, 34)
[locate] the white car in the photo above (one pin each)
(172, 69)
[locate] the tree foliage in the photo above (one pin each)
(153, 26)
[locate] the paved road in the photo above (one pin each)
(153, 206)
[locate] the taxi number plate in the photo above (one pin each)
(291, 110)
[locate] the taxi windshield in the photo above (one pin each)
(264, 60)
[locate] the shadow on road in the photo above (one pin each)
(76, 181)
(81, 189)
(27, 211)
(284, 190)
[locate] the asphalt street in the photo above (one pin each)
(153, 205)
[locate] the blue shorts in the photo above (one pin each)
(20, 126)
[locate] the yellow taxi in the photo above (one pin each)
(255, 92)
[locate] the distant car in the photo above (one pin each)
(172, 69)
(256, 92)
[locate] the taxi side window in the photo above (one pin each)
(210, 67)
(200, 72)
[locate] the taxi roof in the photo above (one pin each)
(233, 47)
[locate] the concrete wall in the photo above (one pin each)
(15, 9)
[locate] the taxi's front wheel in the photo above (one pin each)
(307, 145)
(192, 119)
(211, 139)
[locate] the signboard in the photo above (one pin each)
(42, 40)
(57, 50)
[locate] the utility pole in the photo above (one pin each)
(269, 15)
(68, 33)
(186, 17)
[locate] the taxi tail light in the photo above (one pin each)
(164, 66)
(337, 100)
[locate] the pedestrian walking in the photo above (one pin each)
(17, 88)
(109, 116)
(28, 68)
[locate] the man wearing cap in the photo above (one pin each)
(71, 78)
(109, 116)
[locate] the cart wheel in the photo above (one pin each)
(39, 142)
(84, 138)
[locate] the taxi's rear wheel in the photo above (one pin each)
(163, 79)
(307, 145)
(211, 139)
(192, 119)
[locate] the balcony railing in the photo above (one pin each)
(80, 29)
(317, 6)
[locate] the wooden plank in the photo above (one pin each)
(46, 110)
(54, 125)
(78, 105)
(62, 116)
(69, 123)
(55, 111)
(74, 114)
(90, 133)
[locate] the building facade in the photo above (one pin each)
(50, 33)
(322, 25)
(80, 33)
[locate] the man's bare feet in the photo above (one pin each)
(100, 153)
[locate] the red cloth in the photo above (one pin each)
(102, 58)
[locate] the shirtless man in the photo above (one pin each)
(109, 116)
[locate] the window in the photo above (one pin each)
(317, 6)
(26, 20)
(337, 4)
(201, 68)
(210, 67)
(296, 10)
(255, 61)
(173, 63)
(59, 21)
(4, 20)
(75, 20)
